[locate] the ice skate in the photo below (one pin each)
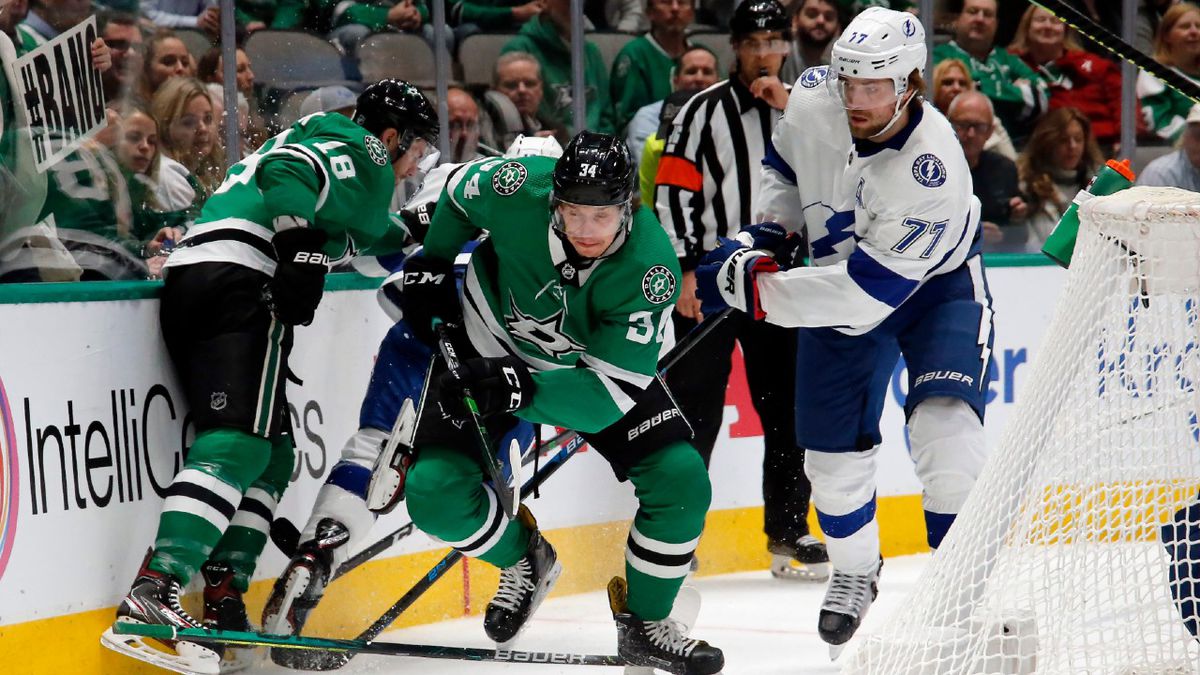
(684, 612)
(302, 584)
(847, 600)
(154, 599)
(523, 586)
(661, 645)
(804, 559)
(225, 609)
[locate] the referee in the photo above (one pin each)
(706, 187)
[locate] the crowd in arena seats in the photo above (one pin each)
(1034, 104)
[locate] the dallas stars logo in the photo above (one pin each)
(509, 178)
(376, 150)
(545, 334)
(658, 284)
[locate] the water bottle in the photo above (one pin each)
(1113, 177)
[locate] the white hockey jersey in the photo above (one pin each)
(881, 218)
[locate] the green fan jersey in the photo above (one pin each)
(326, 170)
(87, 191)
(591, 335)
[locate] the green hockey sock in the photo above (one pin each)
(448, 500)
(673, 494)
(204, 497)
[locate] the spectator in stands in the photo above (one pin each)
(275, 14)
(335, 98)
(650, 152)
(1017, 93)
(184, 113)
(354, 20)
(1145, 25)
(166, 57)
(1076, 78)
(202, 15)
(951, 78)
(994, 176)
(463, 113)
(250, 136)
(472, 16)
(626, 16)
(697, 70)
(121, 33)
(47, 19)
(159, 211)
(816, 24)
(641, 72)
(1177, 45)
(11, 18)
(1061, 157)
(517, 79)
(210, 69)
(1180, 168)
(547, 38)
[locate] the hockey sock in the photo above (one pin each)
(448, 500)
(204, 497)
(936, 527)
(247, 534)
(673, 494)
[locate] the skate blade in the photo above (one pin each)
(546, 585)
(298, 581)
(639, 670)
(686, 608)
(787, 569)
(189, 657)
(835, 651)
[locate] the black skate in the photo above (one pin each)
(802, 559)
(847, 600)
(522, 587)
(662, 644)
(154, 599)
(301, 586)
(225, 609)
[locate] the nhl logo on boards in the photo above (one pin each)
(929, 171)
(658, 285)
(376, 150)
(509, 178)
(218, 400)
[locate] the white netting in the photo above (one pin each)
(1057, 563)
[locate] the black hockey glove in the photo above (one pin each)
(299, 278)
(429, 291)
(499, 385)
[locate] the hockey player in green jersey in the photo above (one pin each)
(251, 268)
(564, 307)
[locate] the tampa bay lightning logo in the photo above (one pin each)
(909, 28)
(813, 76)
(929, 171)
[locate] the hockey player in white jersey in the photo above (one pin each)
(340, 520)
(876, 177)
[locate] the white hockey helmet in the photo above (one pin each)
(534, 146)
(879, 43)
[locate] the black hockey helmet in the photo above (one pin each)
(595, 170)
(754, 15)
(396, 104)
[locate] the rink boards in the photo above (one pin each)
(92, 428)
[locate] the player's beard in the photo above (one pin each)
(872, 127)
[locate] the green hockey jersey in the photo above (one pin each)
(325, 169)
(590, 336)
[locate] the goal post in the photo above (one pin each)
(1076, 550)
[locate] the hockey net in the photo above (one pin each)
(1059, 560)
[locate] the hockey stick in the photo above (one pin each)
(332, 646)
(284, 533)
(317, 660)
(510, 499)
(329, 660)
(1118, 47)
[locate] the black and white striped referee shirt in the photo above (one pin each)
(710, 170)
